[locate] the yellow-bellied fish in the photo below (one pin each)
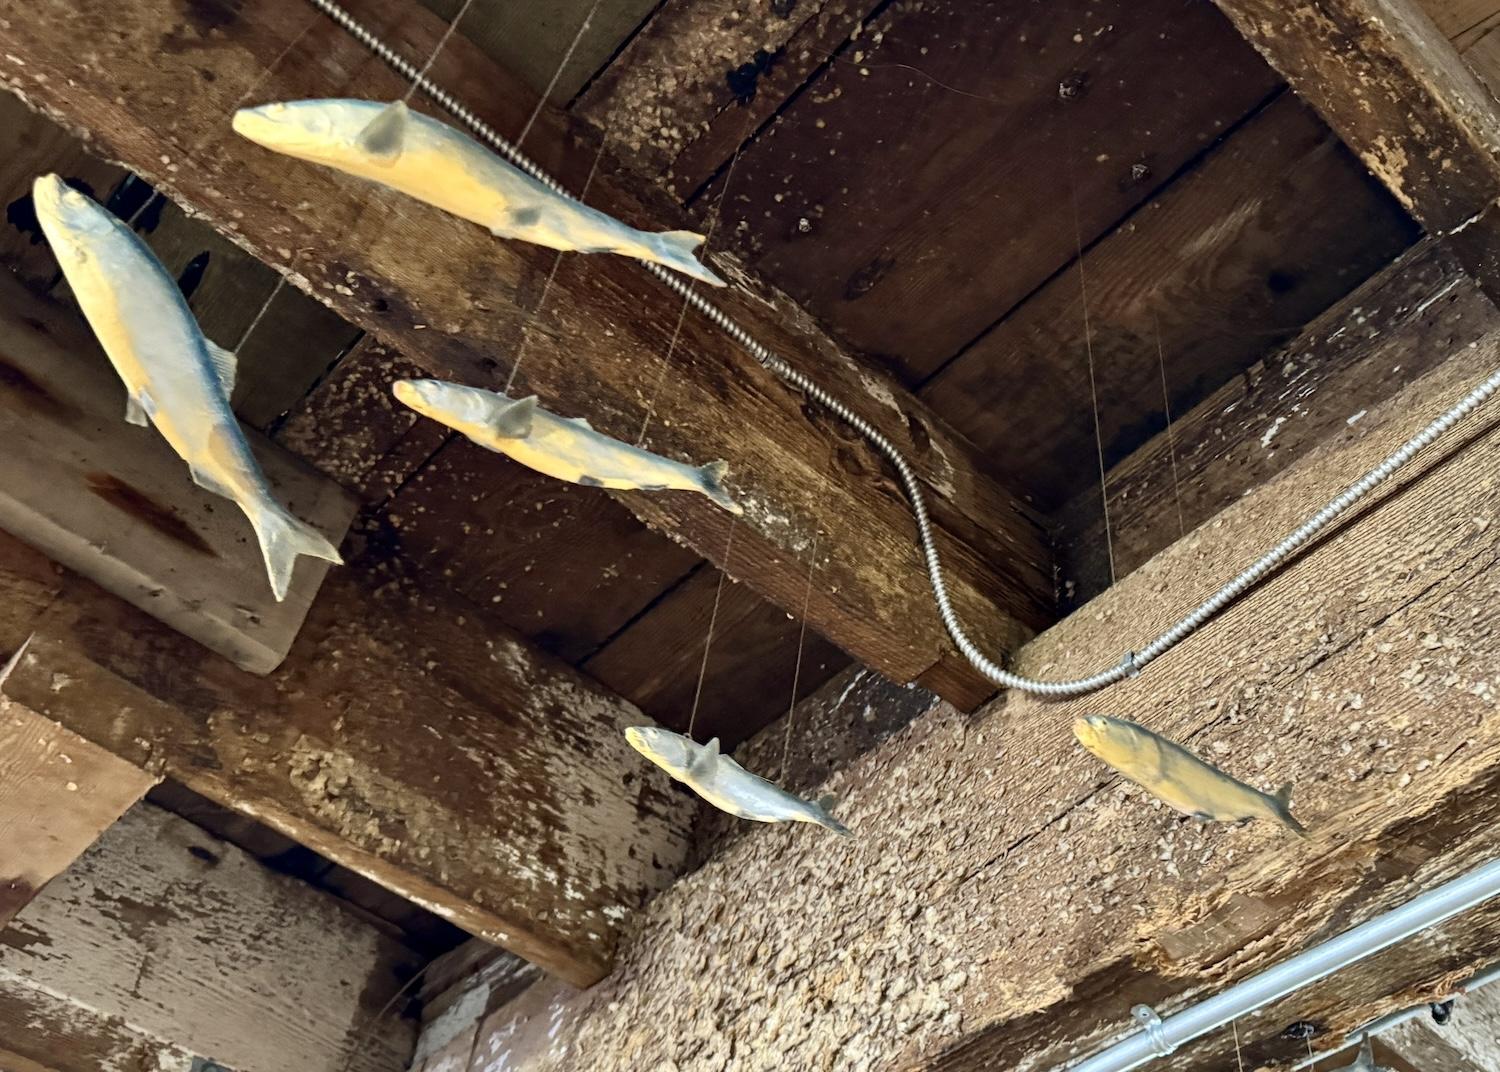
(724, 783)
(175, 378)
(434, 163)
(1181, 779)
(565, 448)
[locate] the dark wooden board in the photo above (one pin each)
(752, 655)
(447, 294)
(911, 209)
(567, 566)
(1273, 226)
(1382, 336)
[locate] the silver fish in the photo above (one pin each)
(724, 783)
(565, 448)
(1172, 773)
(175, 378)
(436, 164)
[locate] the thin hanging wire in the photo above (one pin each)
(1133, 662)
(708, 640)
(791, 711)
(1239, 1059)
(1088, 347)
(1166, 405)
(515, 366)
(708, 237)
(541, 101)
(436, 52)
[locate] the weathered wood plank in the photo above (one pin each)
(162, 944)
(1271, 227)
(115, 503)
(452, 299)
(656, 660)
(1469, 1042)
(1387, 79)
(1397, 327)
(669, 97)
(453, 764)
(880, 188)
(58, 793)
(1006, 900)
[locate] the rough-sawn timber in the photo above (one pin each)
(154, 87)
(1007, 900)
(466, 771)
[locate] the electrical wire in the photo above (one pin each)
(1133, 662)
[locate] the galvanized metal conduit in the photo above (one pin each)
(1161, 1037)
(1377, 1027)
(1133, 662)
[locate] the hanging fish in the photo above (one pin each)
(436, 164)
(175, 378)
(565, 448)
(724, 783)
(1173, 774)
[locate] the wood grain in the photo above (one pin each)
(1006, 899)
(446, 295)
(116, 503)
(927, 181)
(1388, 80)
(168, 944)
(1394, 329)
(449, 762)
(58, 793)
(1273, 226)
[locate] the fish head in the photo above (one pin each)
(69, 219)
(452, 404)
(672, 752)
(1104, 736)
(299, 128)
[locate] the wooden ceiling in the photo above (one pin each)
(1053, 222)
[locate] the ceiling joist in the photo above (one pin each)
(155, 90)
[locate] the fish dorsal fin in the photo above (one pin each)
(582, 422)
(384, 136)
(224, 363)
(1283, 796)
(707, 759)
(515, 420)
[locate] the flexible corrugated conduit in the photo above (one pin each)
(1133, 662)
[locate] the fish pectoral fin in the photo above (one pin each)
(1203, 817)
(582, 422)
(138, 409)
(208, 482)
(515, 420)
(712, 747)
(225, 363)
(384, 137)
(1283, 796)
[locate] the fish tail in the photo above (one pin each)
(823, 818)
(713, 486)
(284, 537)
(675, 250)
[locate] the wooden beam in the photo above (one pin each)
(1397, 327)
(1387, 79)
(58, 793)
(1469, 1042)
(457, 767)
(1006, 900)
(163, 944)
(454, 300)
(115, 503)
